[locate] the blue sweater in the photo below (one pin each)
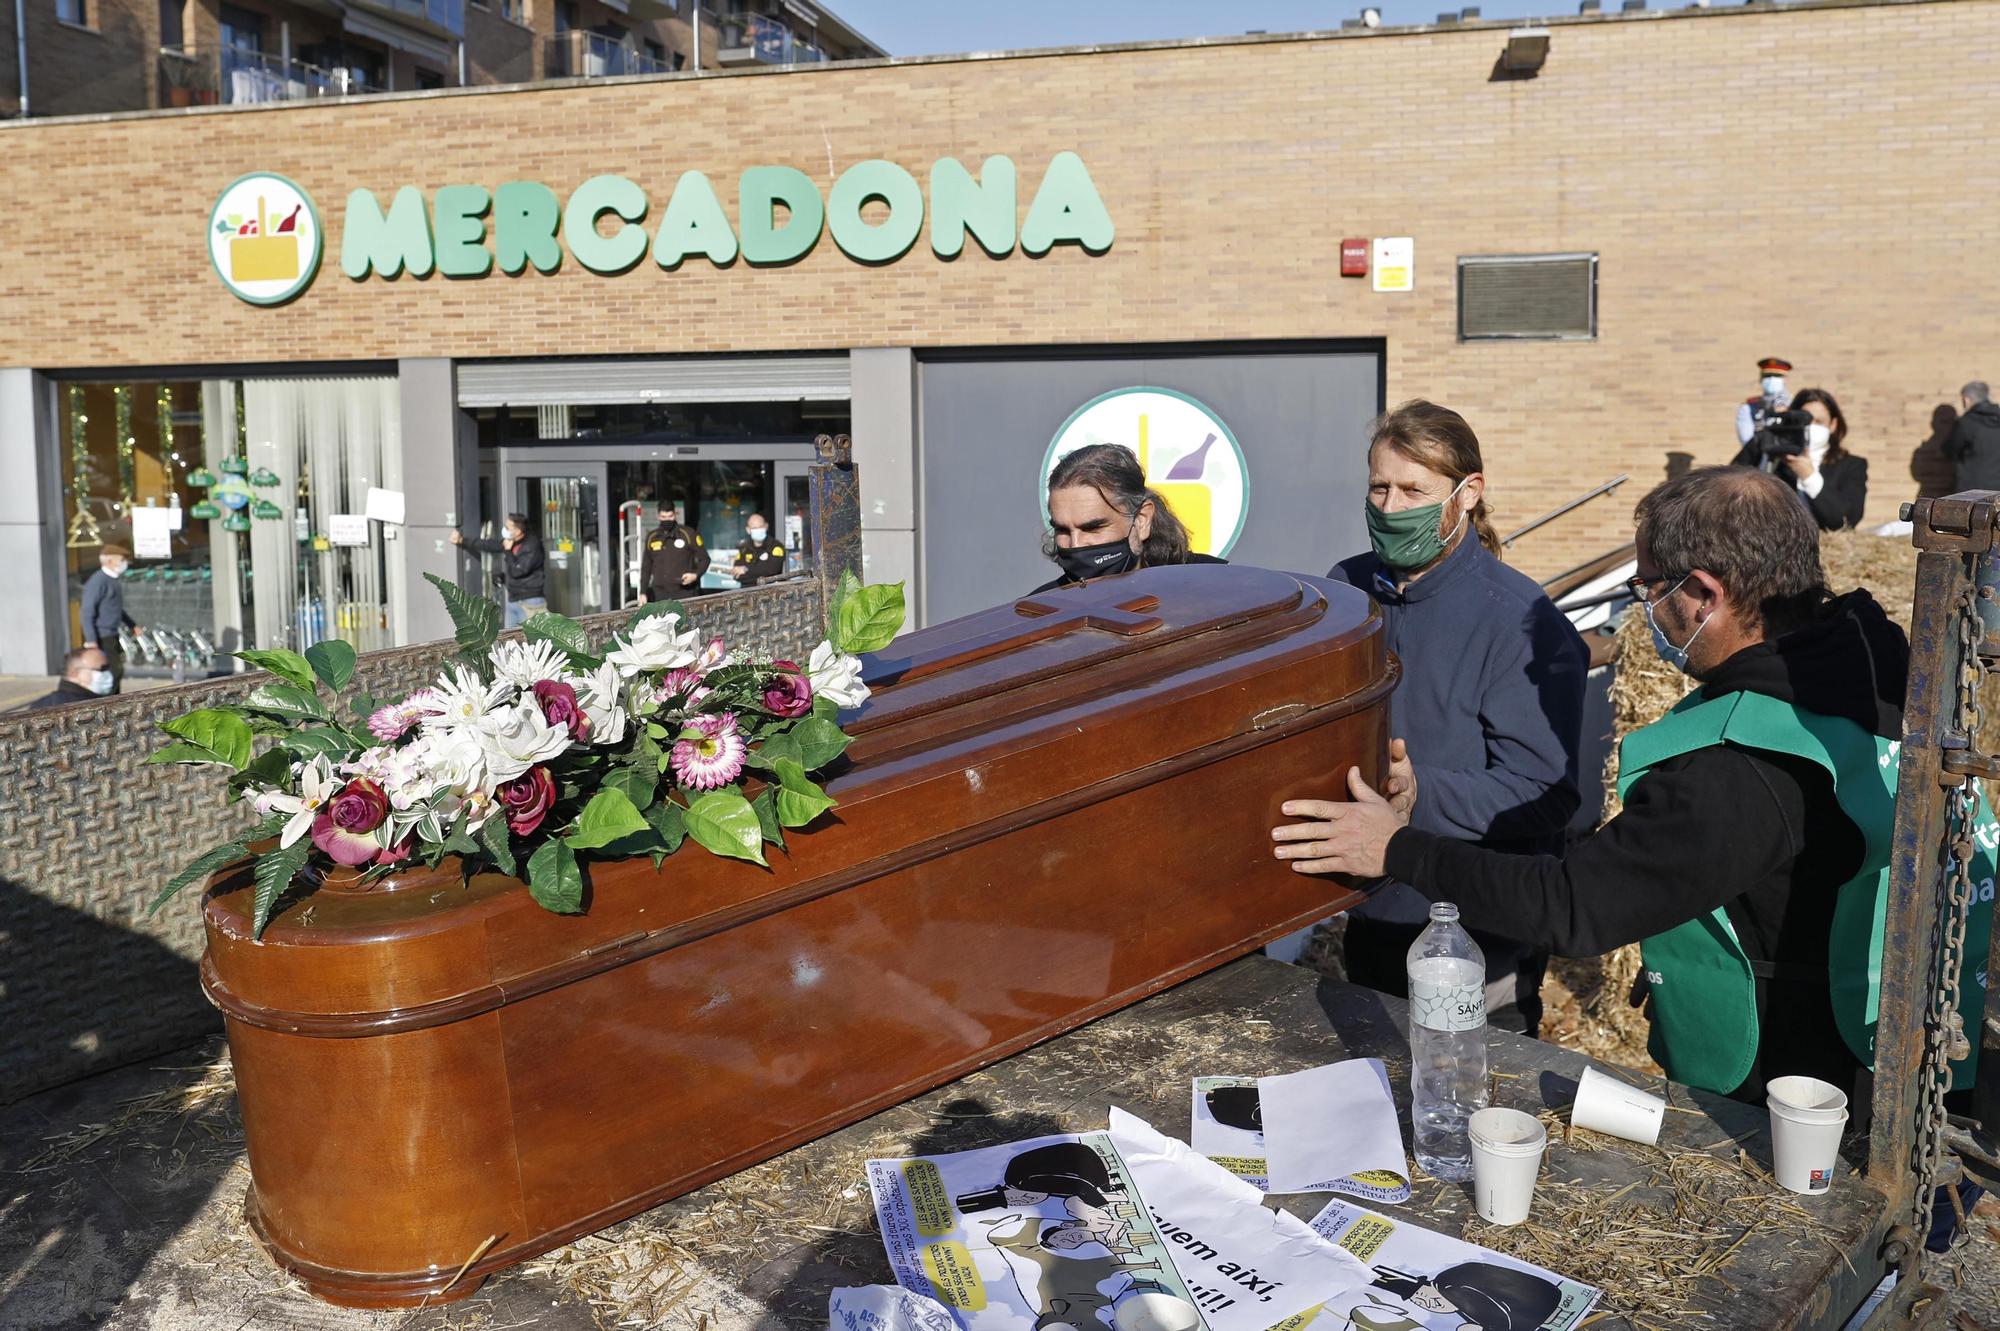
(1490, 704)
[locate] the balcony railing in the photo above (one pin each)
(577, 54)
(240, 77)
(764, 39)
(446, 14)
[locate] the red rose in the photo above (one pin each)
(526, 799)
(560, 707)
(788, 693)
(345, 828)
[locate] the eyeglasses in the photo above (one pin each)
(1638, 585)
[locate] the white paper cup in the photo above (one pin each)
(1606, 1104)
(1151, 1310)
(1506, 1155)
(1807, 1118)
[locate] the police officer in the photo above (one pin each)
(757, 556)
(1771, 396)
(674, 559)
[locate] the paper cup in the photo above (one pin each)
(1606, 1104)
(1506, 1155)
(1807, 1118)
(1151, 1310)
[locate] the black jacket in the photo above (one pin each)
(1066, 581)
(672, 551)
(1755, 833)
(761, 560)
(521, 568)
(66, 692)
(1843, 491)
(1974, 447)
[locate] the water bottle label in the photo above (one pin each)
(1447, 1007)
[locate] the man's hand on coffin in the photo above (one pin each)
(1401, 786)
(1340, 838)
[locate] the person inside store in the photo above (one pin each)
(103, 611)
(1103, 519)
(1490, 705)
(523, 567)
(1832, 481)
(671, 565)
(86, 676)
(758, 557)
(1747, 809)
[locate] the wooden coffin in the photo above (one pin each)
(1054, 808)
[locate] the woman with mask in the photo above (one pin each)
(1103, 519)
(1832, 481)
(1491, 699)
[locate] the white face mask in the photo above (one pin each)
(1774, 385)
(1817, 439)
(759, 533)
(114, 570)
(100, 682)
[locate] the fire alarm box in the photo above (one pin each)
(1354, 257)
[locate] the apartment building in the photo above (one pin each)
(93, 56)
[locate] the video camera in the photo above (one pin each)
(1780, 434)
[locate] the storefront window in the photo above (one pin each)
(641, 422)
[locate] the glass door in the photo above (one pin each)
(793, 520)
(564, 505)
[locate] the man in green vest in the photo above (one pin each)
(1754, 842)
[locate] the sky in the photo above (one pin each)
(940, 27)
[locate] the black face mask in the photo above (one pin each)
(1080, 563)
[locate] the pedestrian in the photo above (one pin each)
(1974, 445)
(1770, 397)
(103, 610)
(758, 557)
(1103, 520)
(86, 676)
(673, 561)
(523, 567)
(1490, 705)
(1832, 481)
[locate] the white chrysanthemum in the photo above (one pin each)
(602, 697)
(526, 664)
(513, 739)
(836, 676)
(462, 699)
(655, 643)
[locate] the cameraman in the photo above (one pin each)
(1771, 396)
(1805, 446)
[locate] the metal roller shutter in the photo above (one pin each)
(717, 379)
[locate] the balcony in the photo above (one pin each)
(236, 76)
(577, 54)
(761, 39)
(445, 16)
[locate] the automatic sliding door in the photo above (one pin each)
(565, 505)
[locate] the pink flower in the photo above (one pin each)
(714, 757)
(345, 828)
(788, 693)
(526, 799)
(397, 853)
(560, 707)
(713, 657)
(685, 685)
(391, 722)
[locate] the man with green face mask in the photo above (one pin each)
(1491, 700)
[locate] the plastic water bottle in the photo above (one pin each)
(1447, 1043)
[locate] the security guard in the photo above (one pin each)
(757, 556)
(674, 560)
(1771, 396)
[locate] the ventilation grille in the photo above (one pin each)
(1527, 295)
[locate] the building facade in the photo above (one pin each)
(362, 325)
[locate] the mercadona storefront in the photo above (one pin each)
(285, 351)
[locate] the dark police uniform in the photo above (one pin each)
(765, 559)
(672, 551)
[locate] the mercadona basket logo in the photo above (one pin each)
(264, 238)
(1190, 457)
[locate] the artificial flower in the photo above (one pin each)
(560, 706)
(525, 664)
(654, 643)
(461, 698)
(836, 676)
(713, 657)
(711, 758)
(397, 853)
(682, 685)
(345, 828)
(391, 722)
(526, 800)
(788, 692)
(515, 738)
(602, 694)
(316, 786)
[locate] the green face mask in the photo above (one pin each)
(1409, 539)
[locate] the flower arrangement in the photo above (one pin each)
(532, 752)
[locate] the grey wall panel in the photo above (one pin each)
(660, 379)
(1299, 416)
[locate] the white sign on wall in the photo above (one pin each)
(347, 528)
(1188, 454)
(1394, 263)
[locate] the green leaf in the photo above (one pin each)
(564, 632)
(651, 608)
(800, 800)
(826, 709)
(818, 742)
(333, 662)
(330, 742)
(670, 821)
(869, 619)
(186, 753)
(475, 621)
(286, 665)
(609, 816)
(493, 835)
(272, 767)
(555, 880)
(220, 733)
(201, 867)
(844, 588)
(768, 823)
(723, 823)
(288, 701)
(637, 784)
(275, 871)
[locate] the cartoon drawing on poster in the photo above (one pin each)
(1335, 1124)
(1426, 1281)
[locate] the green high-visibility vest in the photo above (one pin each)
(1703, 987)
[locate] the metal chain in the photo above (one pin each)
(1944, 1027)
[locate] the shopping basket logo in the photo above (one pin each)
(264, 239)
(1189, 455)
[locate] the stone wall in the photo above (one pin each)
(89, 833)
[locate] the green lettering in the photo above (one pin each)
(759, 191)
(400, 242)
(461, 236)
(876, 242)
(612, 254)
(526, 214)
(985, 207)
(1066, 207)
(694, 224)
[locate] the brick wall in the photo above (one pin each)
(1799, 181)
(499, 50)
(110, 64)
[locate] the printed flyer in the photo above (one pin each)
(1329, 1129)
